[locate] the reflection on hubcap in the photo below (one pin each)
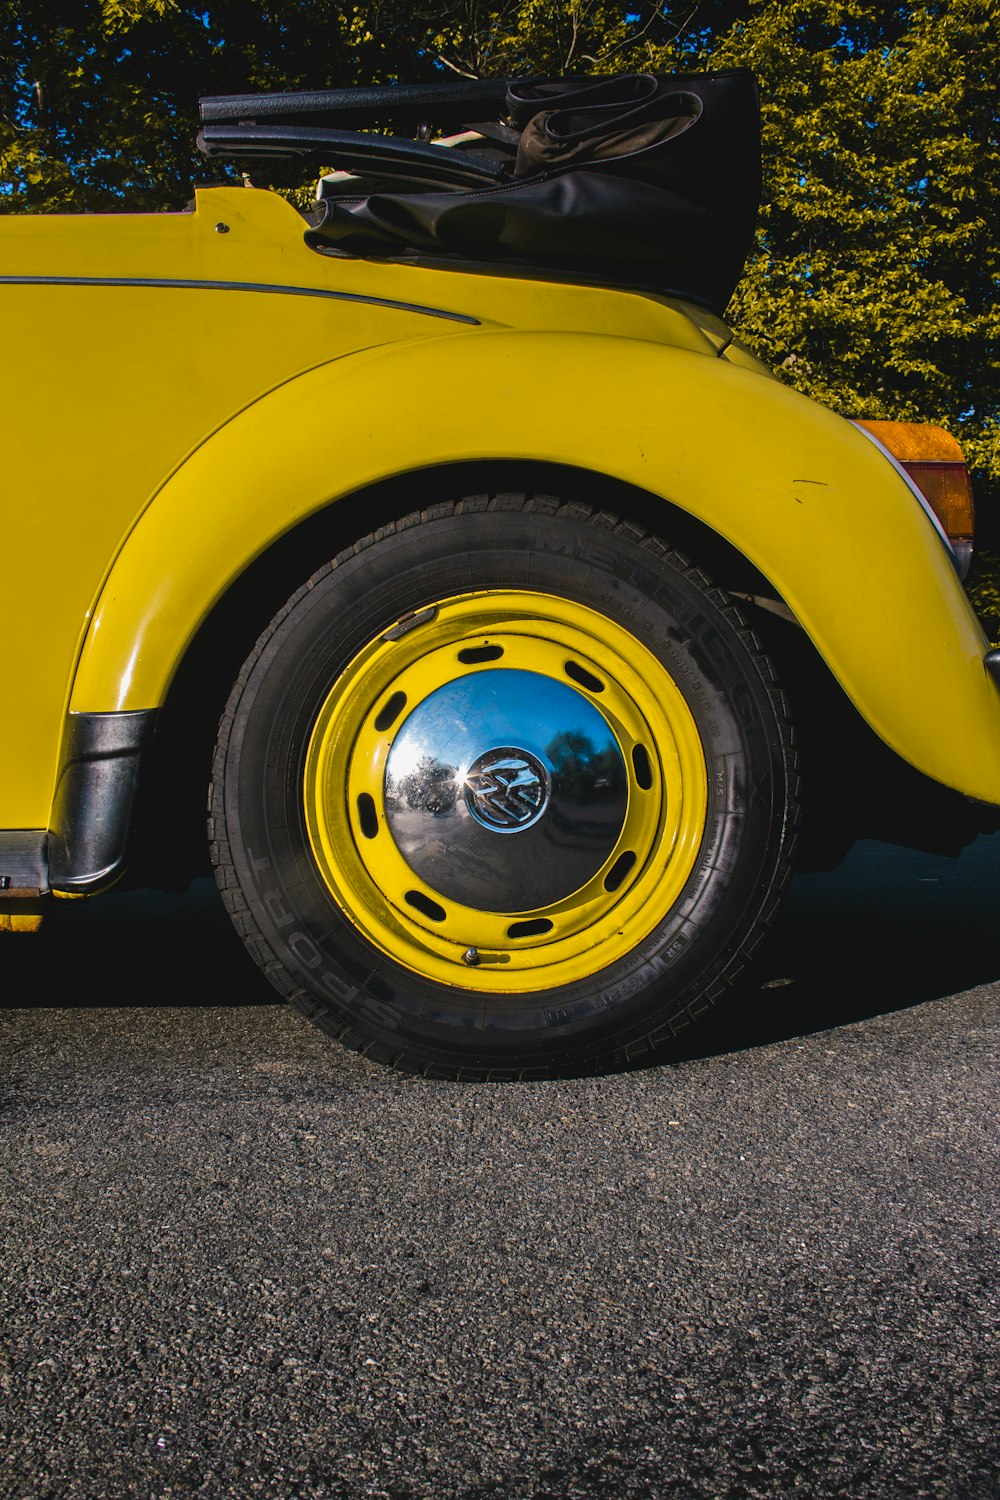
(507, 790)
(553, 773)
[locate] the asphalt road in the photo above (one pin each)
(239, 1261)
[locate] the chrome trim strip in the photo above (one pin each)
(238, 286)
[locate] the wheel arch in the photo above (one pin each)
(170, 816)
(170, 844)
(766, 489)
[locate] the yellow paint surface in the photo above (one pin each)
(163, 435)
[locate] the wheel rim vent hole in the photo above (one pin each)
(425, 906)
(470, 655)
(533, 927)
(619, 870)
(367, 815)
(583, 677)
(390, 711)
(642, 766)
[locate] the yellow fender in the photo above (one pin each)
(800, 492)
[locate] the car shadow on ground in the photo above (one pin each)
(888, 929)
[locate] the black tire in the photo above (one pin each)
(313, 886)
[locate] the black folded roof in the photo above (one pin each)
(639, 179)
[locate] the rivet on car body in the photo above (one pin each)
(221, 228)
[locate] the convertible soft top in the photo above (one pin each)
(639, 179)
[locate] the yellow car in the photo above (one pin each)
(525, 631)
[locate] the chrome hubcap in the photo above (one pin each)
(505, 752)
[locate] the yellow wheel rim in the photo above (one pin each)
(541, 649)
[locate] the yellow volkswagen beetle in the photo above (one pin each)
(525, 630)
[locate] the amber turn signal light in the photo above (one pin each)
(935, 462)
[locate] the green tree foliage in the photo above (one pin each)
(984, 590)
(99, 98)
(551, 37)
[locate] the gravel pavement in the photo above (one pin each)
(239, 1261)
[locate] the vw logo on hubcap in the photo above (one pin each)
(507, 789)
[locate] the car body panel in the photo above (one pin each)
(229, 316)
(207, 389)
(808, 499)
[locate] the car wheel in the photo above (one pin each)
(505, 790)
